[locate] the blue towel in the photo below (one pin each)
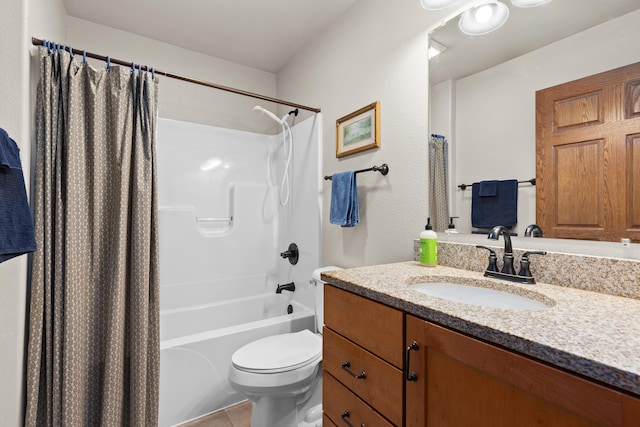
(488, 188)
(344, 200)
(16, 226)
(500, 209)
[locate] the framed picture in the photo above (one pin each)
(358, 131)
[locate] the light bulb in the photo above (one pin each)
(436, 4)
(484, 18)
(484, 13)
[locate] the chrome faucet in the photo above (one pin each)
(507, 266)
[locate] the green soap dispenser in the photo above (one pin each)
(428, 246)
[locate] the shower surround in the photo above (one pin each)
(222, 230)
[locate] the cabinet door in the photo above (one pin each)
(461, 381)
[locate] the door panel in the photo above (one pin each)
(588, 157)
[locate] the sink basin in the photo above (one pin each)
(474, 295)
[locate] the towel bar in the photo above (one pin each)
(531, 181)
(383, 169)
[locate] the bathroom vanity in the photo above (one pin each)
(396, 356)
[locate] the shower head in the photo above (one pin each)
(263, 110)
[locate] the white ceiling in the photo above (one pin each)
(262, 34)
(526, 29)
(265, 34)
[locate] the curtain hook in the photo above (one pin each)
(153, 73)
(46, 44)
(133, 68)
(84, 56)
(108, 62)
(70, 51)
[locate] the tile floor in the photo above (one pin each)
(234, 416)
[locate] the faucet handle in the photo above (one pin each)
(524, 263)
(492, 258)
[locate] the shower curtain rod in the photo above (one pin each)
(38, 42)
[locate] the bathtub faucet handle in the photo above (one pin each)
(291, 253)
(286, 287)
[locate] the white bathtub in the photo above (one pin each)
(197, 343)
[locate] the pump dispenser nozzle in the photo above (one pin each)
(451, 228)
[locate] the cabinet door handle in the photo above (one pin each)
(345, 415)
(362, 375)
(411, 376)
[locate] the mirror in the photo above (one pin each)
(482, 89)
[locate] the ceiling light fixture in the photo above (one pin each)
(529, 3)
(436, 4)
(484, 18)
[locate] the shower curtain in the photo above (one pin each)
(93, 351)
(438, 182)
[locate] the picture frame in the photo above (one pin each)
(358, 131)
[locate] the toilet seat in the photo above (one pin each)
(278, 353)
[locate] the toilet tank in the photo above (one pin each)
(319, 284)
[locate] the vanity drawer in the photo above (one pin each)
(372, 325)
(380, 386)
(326, 421)
(345, 408)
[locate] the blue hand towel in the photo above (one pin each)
(16, 226)
(344, 200)
(488, 188)
(488, 210)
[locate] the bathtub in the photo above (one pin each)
(197, 343)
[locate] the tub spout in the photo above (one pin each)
(286, 287)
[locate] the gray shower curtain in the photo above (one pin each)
(439, 182)
(93, 351)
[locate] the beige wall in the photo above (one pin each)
(180, 100)
(376, 52)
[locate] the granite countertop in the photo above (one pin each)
(590, 333)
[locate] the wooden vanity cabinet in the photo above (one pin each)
(461, 381)
(451, 379)
(362, 361)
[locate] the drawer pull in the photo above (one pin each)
(346, 415)
(346, 365)
(411, 376)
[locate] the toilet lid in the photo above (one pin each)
(278, 353)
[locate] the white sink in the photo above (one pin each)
(475, 295)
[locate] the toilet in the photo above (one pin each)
(282, 374)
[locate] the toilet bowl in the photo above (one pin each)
(281, 374)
